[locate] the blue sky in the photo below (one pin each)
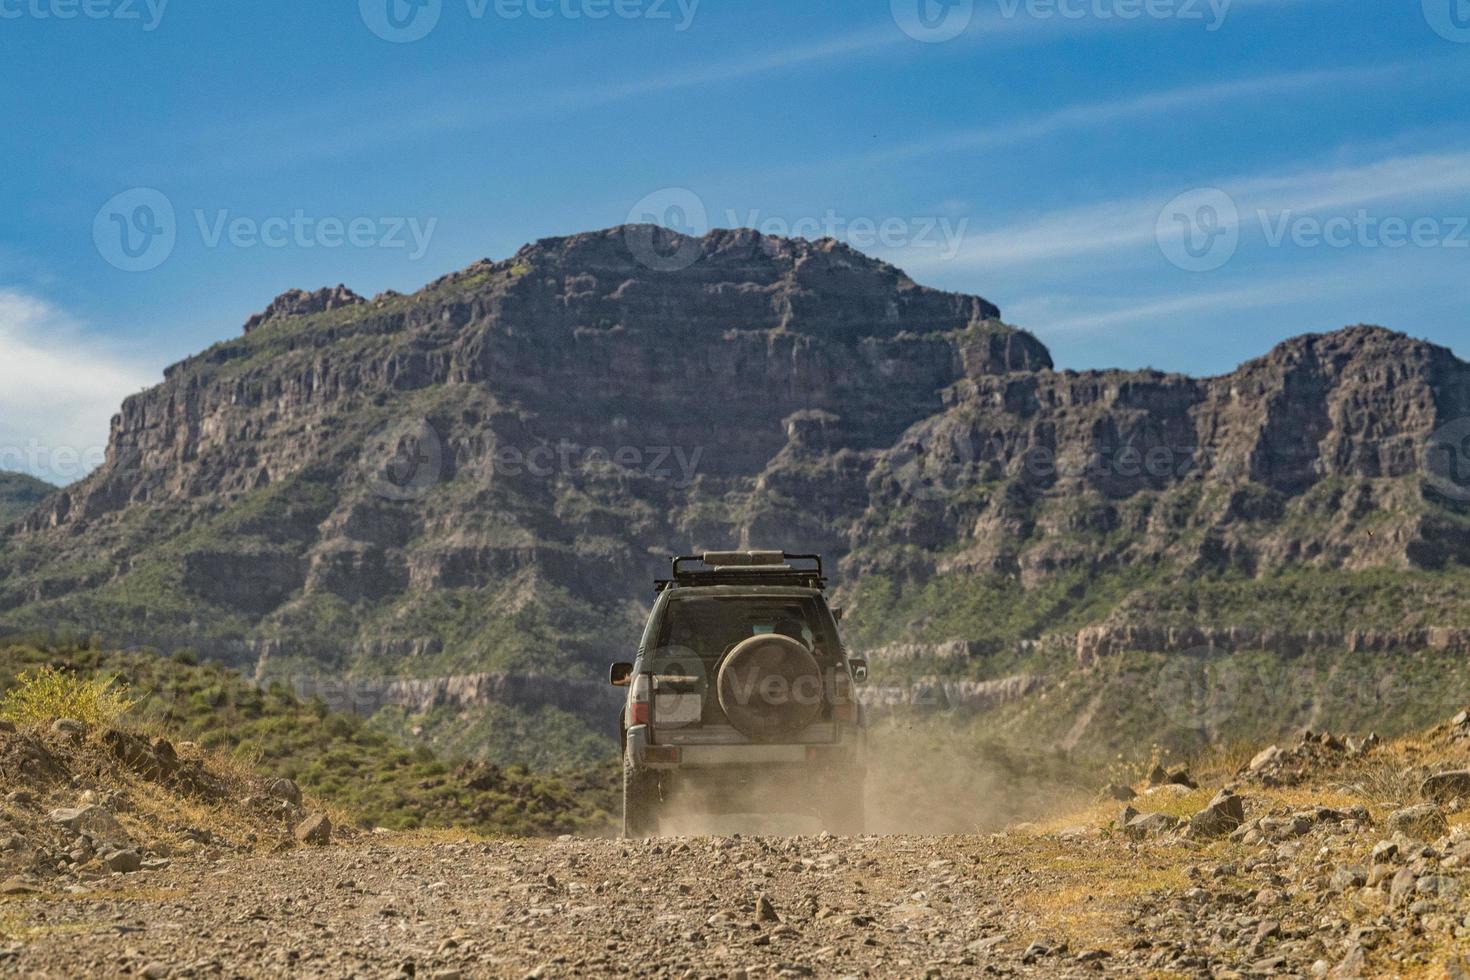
(1170, 183)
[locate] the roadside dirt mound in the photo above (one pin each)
(1316, 756)
(80, 804)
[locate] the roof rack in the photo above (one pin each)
(746, 568)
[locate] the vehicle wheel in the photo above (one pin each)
(640, 802)
(843, 810)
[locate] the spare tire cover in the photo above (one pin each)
(770, 686)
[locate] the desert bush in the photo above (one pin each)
(47, 694)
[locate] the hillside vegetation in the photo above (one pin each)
(19, 495)
(374, 780)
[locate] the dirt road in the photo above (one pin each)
(877, 906)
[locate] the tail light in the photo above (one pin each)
(642, 699)
(844, 708)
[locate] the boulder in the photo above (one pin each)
(1265, 759)
(1446, 786)
(1348, 877)
(1222, 817)
(91, 820)
(1180, 776)
(123, 861)
(286, 791)
(1151, 825)
(1423, 822)
(315, 829)
(69, 728)
(1401, 889)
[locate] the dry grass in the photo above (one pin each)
(1088, 894)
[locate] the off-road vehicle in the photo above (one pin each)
(741, 698)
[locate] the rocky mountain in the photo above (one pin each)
(19, 494)
(472, 486)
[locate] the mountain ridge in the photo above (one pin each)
(480, 478)
(19, 494)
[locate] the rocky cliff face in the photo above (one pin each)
(482, 477)
(1326, 452)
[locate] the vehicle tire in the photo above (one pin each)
(770, 687)
(640, 802)
(843, 810)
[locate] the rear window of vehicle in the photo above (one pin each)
(711, 626)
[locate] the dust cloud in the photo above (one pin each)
(928, 778)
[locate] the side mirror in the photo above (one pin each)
(837, 613)
(621, 675)
(859, 670)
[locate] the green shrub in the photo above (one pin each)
(47, 694)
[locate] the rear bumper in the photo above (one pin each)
(845, 754)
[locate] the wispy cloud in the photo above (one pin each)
(332, 136)
(1352, 287)
(1131, 223)
(1094, 115)
(368, 129)
(59, 388)
(1255, 296)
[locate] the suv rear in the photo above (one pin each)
(741, 694)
